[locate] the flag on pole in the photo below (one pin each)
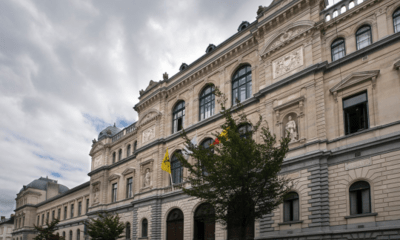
(223, 134)
(166, 165)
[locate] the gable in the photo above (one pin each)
(354, 79)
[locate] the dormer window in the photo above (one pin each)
(210, 48)
(183, 67)
(243, 25)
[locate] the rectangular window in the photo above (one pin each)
(59, 214)
(48, 217)
(65, 212)
(87, 205)
(355, 113)
(114, 193)
(42, 219)
(79, 208)
(53, 215)
(129, 188)
(72, 210)
(38, 219)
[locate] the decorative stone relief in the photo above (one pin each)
(293, 175)
(149, 134)
(98, 161)
(288, 62)
(358, 164)
(284, 37)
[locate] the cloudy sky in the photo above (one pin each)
(68, 69)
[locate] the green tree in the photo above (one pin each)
(239, 176)
(47, 232)
(106, 227)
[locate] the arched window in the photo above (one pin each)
(128, 150)
(338, 49)
(70, 235)
(343, 9)
(291, 207)
(113, 157)
(207, 103)
(335, 14)
(241, 84)
(244, 130)
(396, 20)
(176, 169)
(363, 37)
(206, 144)
(328, 18)
(178, 117)
(144, 227)
(175, 225)
(63, 234)
(78, 234)
(351, 4)
(360, 198)
(204, 223)
(120, 155)
(134, 146)
(128, 231)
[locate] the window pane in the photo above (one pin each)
(249, 89)
(351, 5)
(235, 84)
(396, 21)
(242, 81)
(242, 71)
(343, 9)
(242, 93)
(249, 77)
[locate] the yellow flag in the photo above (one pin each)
(165, 165)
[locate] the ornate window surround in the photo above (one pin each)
(353, 84)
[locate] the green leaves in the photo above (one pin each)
(106, 227)
(242, 183)
(47, 232)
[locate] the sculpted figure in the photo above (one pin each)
(96, 196)
(291, 128)
(147, 178)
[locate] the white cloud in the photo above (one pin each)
(70, 68)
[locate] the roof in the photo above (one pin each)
(8, 221)
(41, 184)
(108, 132)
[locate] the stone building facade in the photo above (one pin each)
(6, 227)
(330, 76)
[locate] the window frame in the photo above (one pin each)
(114, 188)
(59, 214)
(396, 15)
(206, 144)
(65, 212)
(145, 227)
(346, 121)
(359, 33)
(289, 201)
(128, 150)
(174, 159)
(72, 211)
(79, 208)
(129, 187)
(178, 108)
(355, 190)
(114, 156)
(119, 155)
(128, 230)
(203, 97)
(335, 45)
(78, 234)
(87, 205)
(248, 83)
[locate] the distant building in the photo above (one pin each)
(6, 227)
(329, 76)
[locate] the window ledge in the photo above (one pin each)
(290, 223)
(361, 215)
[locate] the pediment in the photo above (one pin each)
(354, 79)
(114, 176)
(151, 84)
(129, 170)
(286, 35)
(149, 116)
(97, 147)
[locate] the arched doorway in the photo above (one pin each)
(175, 225)
(204, 223)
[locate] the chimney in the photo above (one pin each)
(3, 218)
